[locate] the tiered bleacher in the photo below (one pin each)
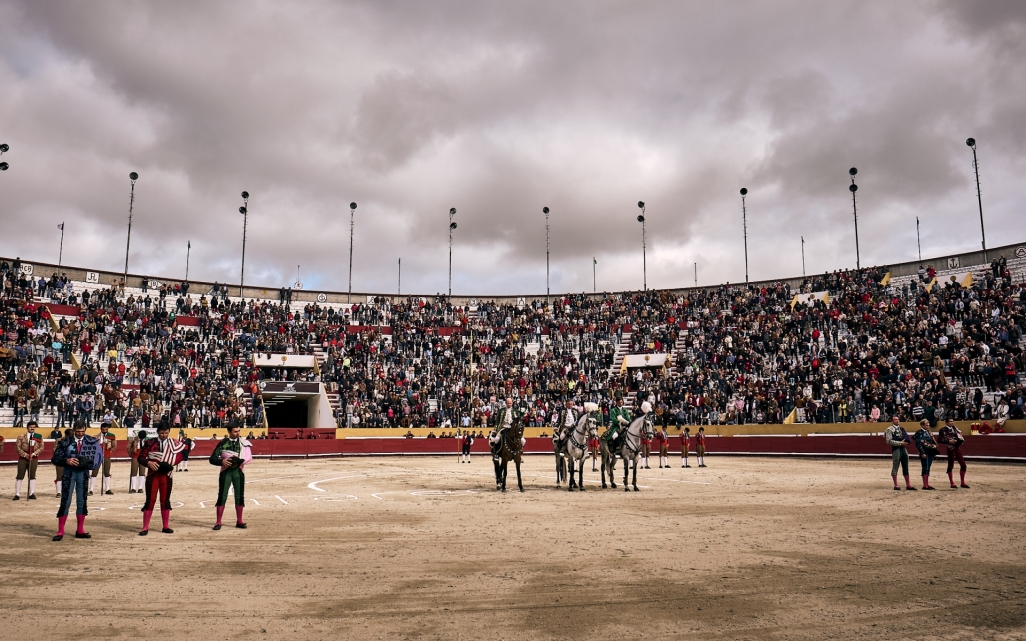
(843, 347)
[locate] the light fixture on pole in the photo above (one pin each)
(803, 256)
(4, 148)
(545, 210)
(128, 241)
(452, 226)
(188, 252)
(244, 210)
(854, 188)
(744, 227)
(971, 142)
(60, 253)
(919, 245)
(594, 267)
(644, 266)
(696, 274)
(399, 285)
(352, 219)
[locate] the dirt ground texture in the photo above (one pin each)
(748, 548)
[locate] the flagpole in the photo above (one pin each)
(60, 254)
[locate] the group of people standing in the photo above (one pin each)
(79, 458)
(928, 447)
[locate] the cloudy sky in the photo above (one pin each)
(498, 109)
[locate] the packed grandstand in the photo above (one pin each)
(841, 347)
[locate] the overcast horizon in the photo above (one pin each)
(500, 109)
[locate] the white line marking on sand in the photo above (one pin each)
(281, 499)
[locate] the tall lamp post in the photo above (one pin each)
(744, 227)
(452, 226)
(919, 245)
(4, 148)
(644, 265)
(244, 210)
(188, 253)
(803, 256)
(971, 142)
(128, 241)
(545, 210)
(352, 221)
(854, 188)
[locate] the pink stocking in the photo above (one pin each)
(61, 520)
(220, 512)
(238, 514)
(165, 517)
(146, 519)
(81, 523)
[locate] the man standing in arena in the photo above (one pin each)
(662, 439)
(107, 444)
(951, 437)
(29, 445)
(159, 456)
(135, 478)
(78, 455)
(897, 438)
(685, 442)
(926, 444)
(231, 455)
(700, 446)
(465, 442)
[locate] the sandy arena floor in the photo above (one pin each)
(425, 547)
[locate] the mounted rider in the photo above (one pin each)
(504, 419)
(619, 419)
(566, 419)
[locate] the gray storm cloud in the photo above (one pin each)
(499, 109)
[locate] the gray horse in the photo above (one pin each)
(629, 449)
(575, 448)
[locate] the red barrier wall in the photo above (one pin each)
(1010, 447)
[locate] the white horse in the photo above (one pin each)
(629, 450)
(575, 448)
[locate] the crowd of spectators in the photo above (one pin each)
(867, 350)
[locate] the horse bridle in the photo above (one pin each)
(573, 433)
(645, 422)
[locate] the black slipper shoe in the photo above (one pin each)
(83, 535)
(58, 537)
(144, 532)
(217, 527)
(167, 530)
(241, 526)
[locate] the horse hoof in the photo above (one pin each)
(521, 490)
(604, 486)
(635, 488)
(626, 489)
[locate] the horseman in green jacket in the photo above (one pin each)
(619, 419)
(504, 419)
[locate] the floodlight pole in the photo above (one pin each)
(352, 218)
(803, 256)
(744, 227)
(644, 265)
(128, 241)
(971, 142)
(452, 226)
(545, 210)
(853, 188)
(244, 210)
(919, 244)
